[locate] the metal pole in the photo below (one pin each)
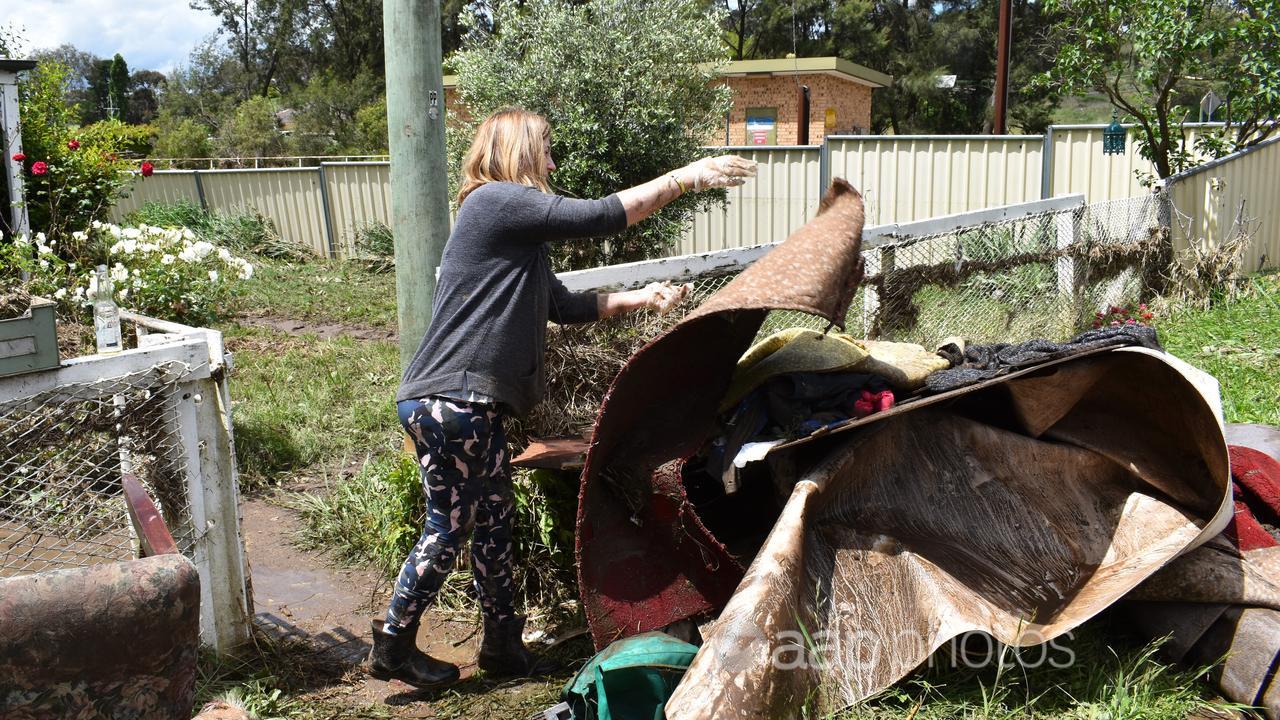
(419, 179)
(12, 144)
(1002, 69)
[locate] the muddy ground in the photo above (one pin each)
(322, 614)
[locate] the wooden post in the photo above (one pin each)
(419, 178)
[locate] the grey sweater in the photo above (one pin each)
(496, 292)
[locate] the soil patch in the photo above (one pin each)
(322, 330)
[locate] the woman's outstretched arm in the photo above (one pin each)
(644, 200)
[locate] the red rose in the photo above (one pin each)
(147, 169)
(1147, 316)
(19, 157)
(73, 145)
(1097, 324)
(39, 167)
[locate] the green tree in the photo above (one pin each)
(181, 137)
(250, 131)
(118, 87)
(325, 119)
(634, 96)
(371, 128)
(146, 87)
(269, 39)
(1145, 56)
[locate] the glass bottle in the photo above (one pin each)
(106, 315)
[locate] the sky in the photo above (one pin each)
(149, 34)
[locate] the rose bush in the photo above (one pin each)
(71, 177)
(166, 273)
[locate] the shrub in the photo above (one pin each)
(635, 97)
(70, 181)
(244, 231)
(130, 140)
(164, 273)
(376, 246)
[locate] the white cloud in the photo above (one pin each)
(149, 34)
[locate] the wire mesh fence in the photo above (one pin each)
(1040, 275)
(63, 452)
(1036, 276)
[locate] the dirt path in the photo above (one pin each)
(297, 595)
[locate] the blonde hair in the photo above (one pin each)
(508, 147)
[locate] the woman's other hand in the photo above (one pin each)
(663, 296)
(716, 172)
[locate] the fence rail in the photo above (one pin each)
(903, 179)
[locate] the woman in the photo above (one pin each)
(481, 360)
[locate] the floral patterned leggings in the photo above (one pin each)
(466, 475)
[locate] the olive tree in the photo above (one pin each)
(630, 90)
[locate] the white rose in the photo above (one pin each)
(44, 264)
(167, 259)
(119, 273)
(124, 293)
(246, 271)
(131, 233)
(224, 254)
(60, 293)
(213, 276)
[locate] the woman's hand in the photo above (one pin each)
(661, 296)
(642, 201)
(664, 296)
(716, 172)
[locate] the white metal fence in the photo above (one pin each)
(903, 178)
(161, 412)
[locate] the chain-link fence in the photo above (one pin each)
(1041, 275)
(69, 435)
(1033, 273)
(63, 452)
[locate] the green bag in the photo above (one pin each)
(629, 680)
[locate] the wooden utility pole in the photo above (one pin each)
(419, 175)
(1002, 68)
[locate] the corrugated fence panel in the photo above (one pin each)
(359, 194)
(1209, 199)
(782, 197)
(1079, 166)
(289, 197)
(163, 187)
(906, 178)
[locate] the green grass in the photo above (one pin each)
(1238, 342)
(1094, 673)
(299, 401)
(374, 518)
(329, 291)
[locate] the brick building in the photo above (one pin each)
(788, 101)
(799, 101)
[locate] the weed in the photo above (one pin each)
(309, 401)
(376, 247)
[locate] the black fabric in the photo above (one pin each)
(799, 402)
(982, 362)
(496, 292)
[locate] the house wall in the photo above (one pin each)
(851, 101)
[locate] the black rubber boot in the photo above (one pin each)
(397, 657)
(503, 654)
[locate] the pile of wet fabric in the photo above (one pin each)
(1020, 502)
